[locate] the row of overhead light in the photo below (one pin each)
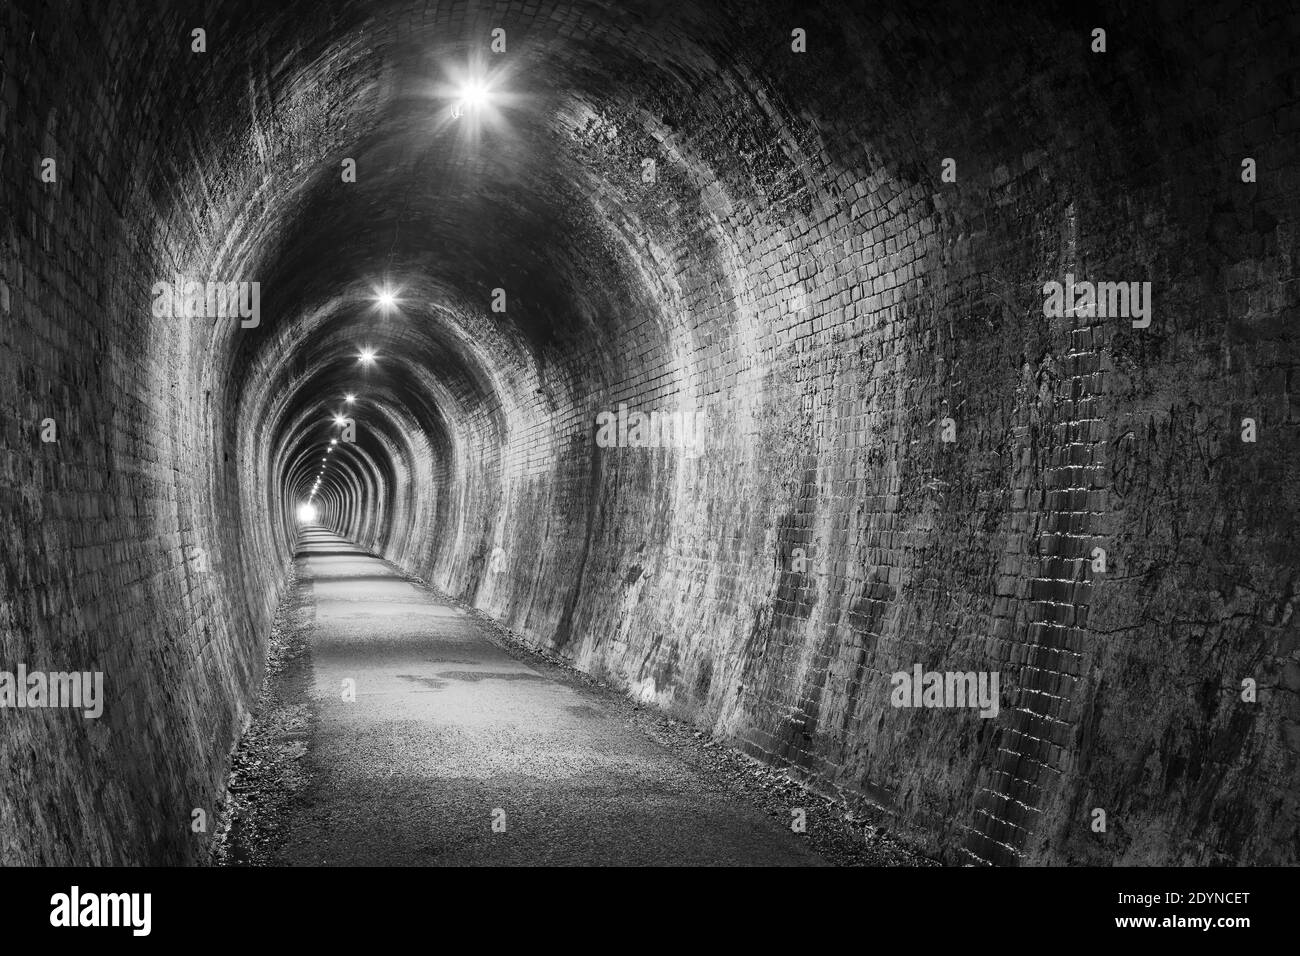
(474, 100)
(386, 299)
(339, 420)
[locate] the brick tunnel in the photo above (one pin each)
(703, 367)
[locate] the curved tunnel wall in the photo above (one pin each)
(798, 271)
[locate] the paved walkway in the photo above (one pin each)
(447, 727)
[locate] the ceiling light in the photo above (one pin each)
(473, 94)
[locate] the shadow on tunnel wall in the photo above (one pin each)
(890, 456)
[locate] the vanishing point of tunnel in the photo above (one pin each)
(446, 432)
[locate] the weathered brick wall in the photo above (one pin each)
(828, 311)
(799, 271)
(143, 544)
(114, 559)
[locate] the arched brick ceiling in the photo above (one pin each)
(799, 272)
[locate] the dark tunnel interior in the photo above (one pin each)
(477, 228)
